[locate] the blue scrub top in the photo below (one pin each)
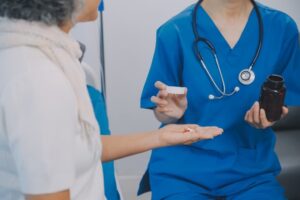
(235, 160)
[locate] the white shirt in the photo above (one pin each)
(42, 146)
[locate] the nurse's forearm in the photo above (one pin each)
(163, 118)
(119, 146)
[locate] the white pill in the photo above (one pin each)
(188, 130)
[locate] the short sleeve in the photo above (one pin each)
(40, 118)
(291, 64)
(166, 64)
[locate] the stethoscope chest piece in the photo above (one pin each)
(246, 76)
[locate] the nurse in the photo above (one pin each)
(210, 48)
(50, 147)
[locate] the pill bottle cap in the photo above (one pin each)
(274, 82)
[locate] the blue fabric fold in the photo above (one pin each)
(110, 186)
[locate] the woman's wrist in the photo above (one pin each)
(156, 140)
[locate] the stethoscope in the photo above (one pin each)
(246, 76)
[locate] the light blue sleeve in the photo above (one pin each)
(291, 63)
(99, 106)
(166, 64)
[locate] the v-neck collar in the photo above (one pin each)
(218, 36)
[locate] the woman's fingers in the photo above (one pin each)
(203, 133)
(207, 132)
(210, 131)
(187, 134)
(183, 127)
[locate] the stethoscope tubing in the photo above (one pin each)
(213, 50)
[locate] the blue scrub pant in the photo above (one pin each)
(269, 190)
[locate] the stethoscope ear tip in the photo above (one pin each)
(211, 97)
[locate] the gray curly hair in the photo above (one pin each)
(51, 12)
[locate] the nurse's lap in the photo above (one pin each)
(269, 190)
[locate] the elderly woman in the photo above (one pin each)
(49, 142)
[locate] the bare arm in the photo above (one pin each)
(115, 147)
(119, 146)
(64, 195)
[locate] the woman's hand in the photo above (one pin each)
(170, 107)
(257, 118)
(120, 146)
(186, 134)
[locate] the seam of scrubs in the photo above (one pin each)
(288, 45)
(181, 58)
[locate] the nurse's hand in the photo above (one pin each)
(257, 118)
(186, 134)
(169, 107)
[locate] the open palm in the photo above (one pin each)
(186, 134)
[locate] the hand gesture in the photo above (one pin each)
(257, 118)
(186, 134)
(171, 106)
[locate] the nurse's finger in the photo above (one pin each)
(246, 116)
(285, 111)
(162, 94)
(249, 118)
(251, 113)
(256, 114)
(163, 109)
(180, 101)
(160, 85)
(158, 101)
(264, 121)
(182, 96)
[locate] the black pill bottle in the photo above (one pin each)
(272, 97)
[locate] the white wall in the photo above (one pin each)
(129, 42)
